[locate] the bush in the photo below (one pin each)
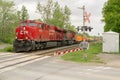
(7, 49)
(7, 34)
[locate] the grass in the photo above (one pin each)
(7, 49)
(91, 54)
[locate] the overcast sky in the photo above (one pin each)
(92, 6)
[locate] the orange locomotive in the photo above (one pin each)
(79, 38)
(31, 35)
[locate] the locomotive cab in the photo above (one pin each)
(28, 30)
(26, 33)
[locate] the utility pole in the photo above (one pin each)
(83, 8)
(84, 45)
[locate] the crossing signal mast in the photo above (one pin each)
(85, 19)
(84, 44)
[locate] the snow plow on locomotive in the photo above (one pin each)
(32, 35)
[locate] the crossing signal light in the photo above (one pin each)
(84, 28)
(78, 28)
(90, 28)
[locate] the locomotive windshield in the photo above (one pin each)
(29, 24)
(23, 24)
(32, 24)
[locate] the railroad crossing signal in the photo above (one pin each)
(78, 28)
(85, 19)
(84, 28)
(90, 28)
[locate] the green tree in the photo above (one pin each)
(7, 20)
(58, 16)
(45, 11)
(67, 22)
(23, 14)
(67, 14)
(6, 11)
(19, 16)
(111, 15)
(71, 27)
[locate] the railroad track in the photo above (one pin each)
(25, 57)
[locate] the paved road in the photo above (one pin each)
(53, 68)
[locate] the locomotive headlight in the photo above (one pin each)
(26, 37)
(23, 28)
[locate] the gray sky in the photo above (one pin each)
(92, 6)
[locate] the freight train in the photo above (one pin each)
(32, 35)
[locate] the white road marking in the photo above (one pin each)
(98, 69)
(102, 67)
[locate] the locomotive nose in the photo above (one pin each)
(23, 30)
(22, 33)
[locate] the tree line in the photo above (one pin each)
(51, 13)
(10, 18)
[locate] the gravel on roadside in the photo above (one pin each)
(110, 59)
(2, 46)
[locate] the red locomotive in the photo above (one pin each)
(31, 35)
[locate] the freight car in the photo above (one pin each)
(32, 35)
